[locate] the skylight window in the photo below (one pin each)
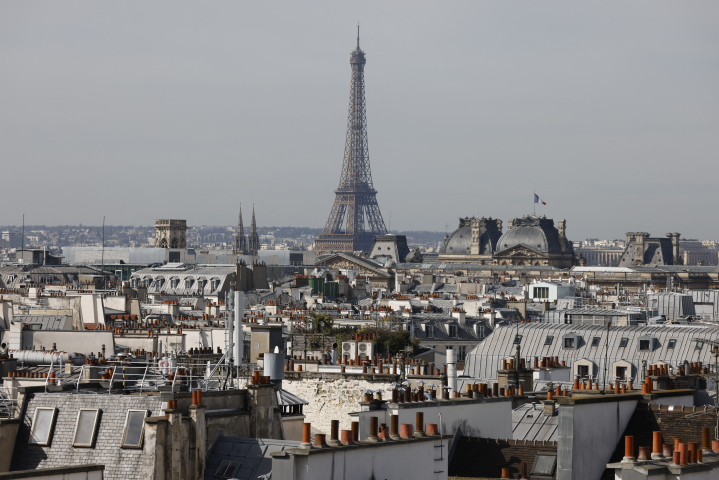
(700, 345)
(85, 427)
(544, 464)
(41, 429)
(134, 428)
(672, 343)
(595, 341)
(517, 339)
(623, 342)
(548, 340)
(227, 469)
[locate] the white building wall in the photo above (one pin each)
(412, 460)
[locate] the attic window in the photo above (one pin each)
(85, 427)
(42, 426)
(672, 343)
(700, 345)
(548, 340)
(429, 331)
(623, 342)
(227, 469)
(544, 464)
(134, 427)
(644, 345)
(595, 341)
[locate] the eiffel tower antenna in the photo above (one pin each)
(355, 197)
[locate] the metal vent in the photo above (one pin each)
(346, 347)
(363, 347)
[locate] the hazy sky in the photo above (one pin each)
(140, 110)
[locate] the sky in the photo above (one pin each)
(139, 110)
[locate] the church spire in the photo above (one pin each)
(253, 241)
(240, 247)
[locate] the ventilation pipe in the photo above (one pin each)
(452, 369)
(239, 337)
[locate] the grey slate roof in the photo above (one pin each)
(484, 360)
(252, 455)
(46, 322)
(530, 423)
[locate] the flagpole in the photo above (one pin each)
(534, 202)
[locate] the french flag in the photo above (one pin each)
(539, 200)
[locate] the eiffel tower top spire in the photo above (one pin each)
(356, 198)
(240, 246)
(253, 240)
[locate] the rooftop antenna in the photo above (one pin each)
(22, 248)
(390, 221)
(104, 285)
(358, 35)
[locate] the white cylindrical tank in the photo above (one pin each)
(452, 369)
(45, 357)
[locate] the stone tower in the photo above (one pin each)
(170, 233)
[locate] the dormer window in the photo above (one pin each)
(429, 331)
(646, 343)
(570, 341)
(452, 330)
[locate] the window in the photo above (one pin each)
(623, 342)
(672, 343)
(544, 464)
(174, 257)
(595, 341)
(517, 339)
(622, 373)
(188, 283)
(42, 426)
(462, 353)
(452, 329)
(541, 292)
(227, 469)
(700, 345)
(85, 427)
(548, 340)
(34, 326)
(429, 331)
(644, 345)
(569, 342)
(583, 370)
(134, 428)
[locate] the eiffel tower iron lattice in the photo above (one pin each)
(355, 198)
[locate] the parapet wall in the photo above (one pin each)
(333, 396)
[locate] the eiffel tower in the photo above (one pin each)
(355, 198)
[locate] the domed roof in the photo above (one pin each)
(536, 233)
(460, 242)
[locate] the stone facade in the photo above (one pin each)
(170, 233)
(333, 396)
(119, 463)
